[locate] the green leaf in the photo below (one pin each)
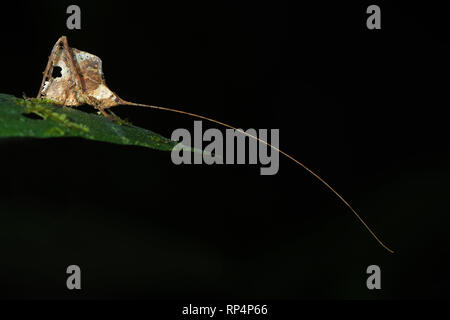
(38, 118)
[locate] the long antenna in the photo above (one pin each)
(276, 149)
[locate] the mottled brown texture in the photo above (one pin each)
(82, 80)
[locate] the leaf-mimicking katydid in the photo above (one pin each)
(82, 82)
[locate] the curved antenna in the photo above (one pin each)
(276, 149)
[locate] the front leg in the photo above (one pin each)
(73, 69)
(69, 61)
(49, 68)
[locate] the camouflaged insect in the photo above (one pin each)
(82, 80)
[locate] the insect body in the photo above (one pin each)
(82, 82)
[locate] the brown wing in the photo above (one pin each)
(65, 90)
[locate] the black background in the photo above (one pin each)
(363, 108)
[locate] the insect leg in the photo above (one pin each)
(49, 68)
(103, 112)
(73, 69)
